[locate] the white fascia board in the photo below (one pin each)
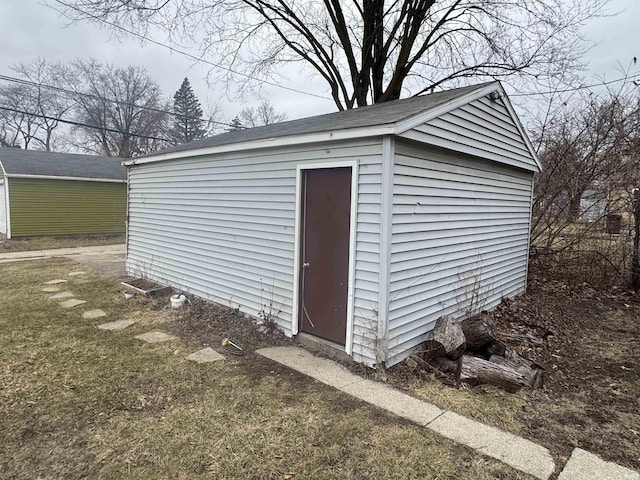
(447, 107)
(54, 177)
(318, 137)
(520, 128)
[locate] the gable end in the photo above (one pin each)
(483, 127)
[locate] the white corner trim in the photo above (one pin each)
(301, 139)
(447, 107)
(7, 206)
(526, 271)
(295, 314)
(54, 177)
(386, 211)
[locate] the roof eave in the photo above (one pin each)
(419, 119)
(300, 139)
(62, 177)
(520, 128)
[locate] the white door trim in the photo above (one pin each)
(353, 164)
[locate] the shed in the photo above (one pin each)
(46, 193)
(360, 227)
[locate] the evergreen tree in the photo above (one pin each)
(188, 124)
(236, 124)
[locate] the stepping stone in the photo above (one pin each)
(55, 282)
(73, 302)
(91, 314)
(206, 355)
(583, 465)
(61, 295)
(50, 289)
(114, 326)
(75, 274)
(155, 337)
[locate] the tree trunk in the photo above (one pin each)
(474, 370)
(479, 331)
(446, 339)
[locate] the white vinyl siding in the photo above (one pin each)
(222, 227)
(483, 128)
(460, 230)
(3, 208)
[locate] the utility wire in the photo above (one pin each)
(80, 124)
(575, 89)
(22, 81)
(189, 55)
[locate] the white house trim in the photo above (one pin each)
(54, 177)
(7, 206)
(520, 128)
(334, 135)
(386, 211)
(353, 164)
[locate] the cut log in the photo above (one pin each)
(446, 339)
(528, 368)
(474, 370)
(479, 331)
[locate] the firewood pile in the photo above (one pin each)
(474, 352)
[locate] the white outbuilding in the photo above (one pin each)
(360, 227)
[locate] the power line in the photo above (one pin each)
(189, 55)
(23, 81)
(575, 89)
(80, 124)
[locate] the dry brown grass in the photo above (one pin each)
(77, 402)
(46, 243)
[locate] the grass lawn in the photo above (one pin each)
(77, 402)
(45, 243)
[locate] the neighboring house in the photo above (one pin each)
(360, 227)
(44, 193)
(593, 205)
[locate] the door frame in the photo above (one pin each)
(295, 319)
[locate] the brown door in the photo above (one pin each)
(326, 207)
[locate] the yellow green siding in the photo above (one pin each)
(66, 207)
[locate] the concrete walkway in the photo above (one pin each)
(517, 452)
(108, 259)
(62, 252)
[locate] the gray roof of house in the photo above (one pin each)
(16, 161)
(380, 114)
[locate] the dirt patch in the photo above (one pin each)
(208, 324)
(592, 382)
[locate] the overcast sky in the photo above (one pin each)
(29, 29)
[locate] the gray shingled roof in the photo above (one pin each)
(16, 161)
(380, 114)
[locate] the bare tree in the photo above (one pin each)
(590, 151)
(367, 51)
(123, 109)
(263, 114)
(19, 121)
